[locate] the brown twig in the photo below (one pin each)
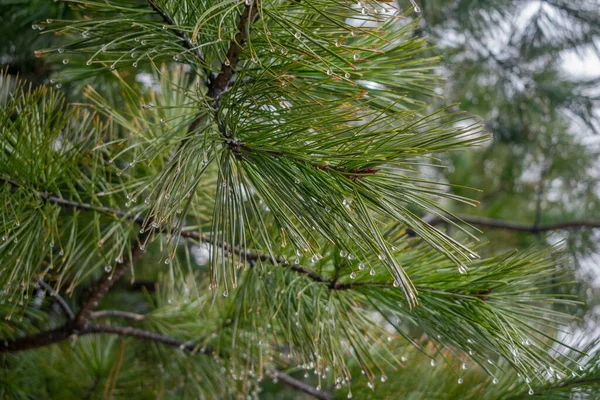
(118, 314)
(170, 23)
(519, 227)
(303, 387)
(107, 281)
(59, 299)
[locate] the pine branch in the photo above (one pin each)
(71, 204)
(248, 256)
(59, 299)
(117, 313)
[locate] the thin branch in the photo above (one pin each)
(218, 85)
(117, 313)
(59, 299)
(247, 255)
(170, 23)
(107, 281)
(141, 334)
(299, 385)
(516, 226)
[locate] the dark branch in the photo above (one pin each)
(221, 82)
(246, 255)
(299, 385)
(107, 281)
(516, 226)
(61, 334)
(59, 299)
(141, 334)
(117, 313)
(37, 340)
(170, 23)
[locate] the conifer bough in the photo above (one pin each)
(282, 138)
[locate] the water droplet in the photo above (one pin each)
(61, 253)
(495, 381)
(432, 363)
(396, 283)
(329, 72)
(356, 56)
(361, 266)
(154, 224)
(4, 238)
(58, 85)
(462, 269)
(297, 35)
(142, 247)
(112, 67)
(364, 11)
(347, 75)
(164, 27)
(85, 34)
(372, 272)
(88, 62)
(65, 61)
(530, 392)
(381, 257)
(225, 293)
(463, 366)
(60, 50)
(314, 258)
(353, 275)
(135, 64)
(107, 268)
(176, 58)
(349, 395)
(370, 385)
(460, 381)
(169, 301)
(415, 6)
(343, 253)
(527, 379)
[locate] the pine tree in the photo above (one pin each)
(253, 209)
